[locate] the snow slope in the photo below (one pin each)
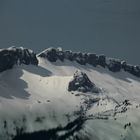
(35, 98)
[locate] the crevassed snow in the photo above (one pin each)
(36, 98)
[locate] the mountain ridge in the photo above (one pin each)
(20, 55)
(35, 100)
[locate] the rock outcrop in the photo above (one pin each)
(68, 55)
(93, 59)
(82, 83)
(135, 70)
(50, 54)
(102, 60)
(114, 65)
(79, 58)
(13, 55)
(60, 54)
(53, 55)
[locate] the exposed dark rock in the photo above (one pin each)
(123, 64)
(7, 60)
(128, 68)
(102, 60)
(53, 134)
(82, 83)
(79, 58)
(126, 102)
(50, 54)
(135, 70)
(26, 56)
(114, 65)
(60, 54)
(68, 55)
(92, 59)
(13, 55)
(127, 125)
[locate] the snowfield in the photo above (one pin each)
(36, 98)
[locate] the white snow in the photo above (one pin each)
(31, 92)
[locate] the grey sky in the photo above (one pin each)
(111, 27)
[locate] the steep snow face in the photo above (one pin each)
(120, 84)
(35, 98)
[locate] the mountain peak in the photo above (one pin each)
(82, 83)
(16, 55)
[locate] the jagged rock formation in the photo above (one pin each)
(14, 55)
(50, 54)
(102, 60)
(82, 83)
(92, 59)
(53, 54)
(135, 70)
(113, 65)
(11, 56)
(60, 54)
(79, 58)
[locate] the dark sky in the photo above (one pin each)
(111, 27)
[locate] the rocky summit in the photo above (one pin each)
(82, 83)
(13, 55)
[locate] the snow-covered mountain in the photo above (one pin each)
(58, 95)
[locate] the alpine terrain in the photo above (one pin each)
(64, 95)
